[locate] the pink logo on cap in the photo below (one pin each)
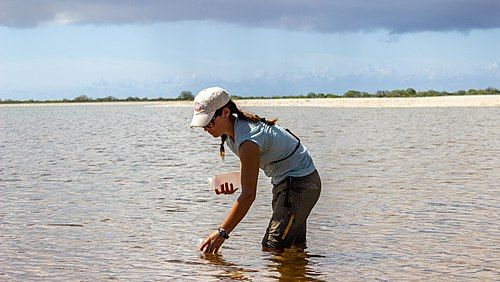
(197, 107)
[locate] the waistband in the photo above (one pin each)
(286, 183)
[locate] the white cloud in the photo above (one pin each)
(434, 73)
(492, 67)
(259, 73)
(62, 19)
(378, 71)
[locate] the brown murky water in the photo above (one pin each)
(119, 192)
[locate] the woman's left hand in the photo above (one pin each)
(212, 243)
(226, 189)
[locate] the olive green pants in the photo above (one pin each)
(293, 200)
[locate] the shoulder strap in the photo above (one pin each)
(294, 150)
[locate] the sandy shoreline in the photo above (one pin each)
(445, 101)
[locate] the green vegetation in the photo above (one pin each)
(188, 96)
(185, 95)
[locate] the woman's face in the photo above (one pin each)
(216, 127)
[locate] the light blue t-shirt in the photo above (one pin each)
(275, 143)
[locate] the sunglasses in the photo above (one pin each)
(211, 123)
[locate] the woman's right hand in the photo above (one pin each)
(225, 188)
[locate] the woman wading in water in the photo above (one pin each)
(260, 143)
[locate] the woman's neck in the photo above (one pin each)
(230, 130)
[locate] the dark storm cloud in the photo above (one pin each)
(395, 16)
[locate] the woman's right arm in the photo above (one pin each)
(249, 154)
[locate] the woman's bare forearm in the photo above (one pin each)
(238, 211)
(249, 157)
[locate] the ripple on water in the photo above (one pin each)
(405, 196)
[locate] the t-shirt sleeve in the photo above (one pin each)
(256, 135)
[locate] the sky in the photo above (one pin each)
(150, 48)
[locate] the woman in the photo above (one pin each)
(260, 143)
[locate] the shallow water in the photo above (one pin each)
(119, 192)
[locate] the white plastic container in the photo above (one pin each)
(230, 177)
(199, 243)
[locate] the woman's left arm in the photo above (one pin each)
(249, 156)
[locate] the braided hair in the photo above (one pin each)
(241, 115)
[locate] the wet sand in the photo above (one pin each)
(445, 101)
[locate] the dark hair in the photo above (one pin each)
(241, 115)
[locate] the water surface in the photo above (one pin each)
(118, 192)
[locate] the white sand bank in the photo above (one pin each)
(445, 101)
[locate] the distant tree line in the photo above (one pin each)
(185, 95)
(188, 96)
(410, 92)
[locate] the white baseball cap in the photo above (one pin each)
(206, 102)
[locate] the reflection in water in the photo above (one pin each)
(293, 265)
(228, 270)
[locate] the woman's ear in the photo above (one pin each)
(226, 112)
